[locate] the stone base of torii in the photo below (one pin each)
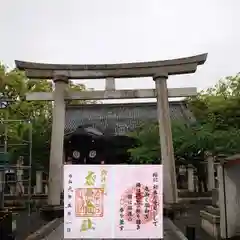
(158, 70)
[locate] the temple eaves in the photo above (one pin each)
(124, 70)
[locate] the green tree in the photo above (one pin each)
(147, 150)
(219, 105)
(13, 88)
(189, 142)
(217, 127)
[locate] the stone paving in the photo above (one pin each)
(169, 234)
(26, 225)
(193, 219)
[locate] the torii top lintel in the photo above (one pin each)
(123, 70)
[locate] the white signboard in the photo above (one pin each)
(113, 201)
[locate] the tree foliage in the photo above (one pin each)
(148, 150)
(13, 88)
(219, 105)
(216, 130)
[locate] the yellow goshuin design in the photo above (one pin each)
(90, 181)
(87, 225)
(90, 178)
(103, 179)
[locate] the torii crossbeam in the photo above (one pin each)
(112, 94)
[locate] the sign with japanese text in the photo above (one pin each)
(113, 201)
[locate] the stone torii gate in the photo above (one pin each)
(158, 70)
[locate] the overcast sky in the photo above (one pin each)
(113, 31)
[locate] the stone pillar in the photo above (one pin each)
(196, 184)
(62, 171)
(165, 132)
(216, 166)
(221, 202)
(39, 182)
(190, 178)
(2, 176)
(56, 153)
(46, 189)
(229, 195)
(12, 189)
(19, 183)
(211, 170)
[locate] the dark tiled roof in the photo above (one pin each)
(120, 118)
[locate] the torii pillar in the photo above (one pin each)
(56, 152)
(165, 134)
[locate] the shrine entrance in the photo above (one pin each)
(96, 133)
(158, 70)
(87, 145)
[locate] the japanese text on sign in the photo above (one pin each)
(104, 201)
(69, 202)
(155, 197)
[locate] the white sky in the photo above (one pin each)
(113, 31)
